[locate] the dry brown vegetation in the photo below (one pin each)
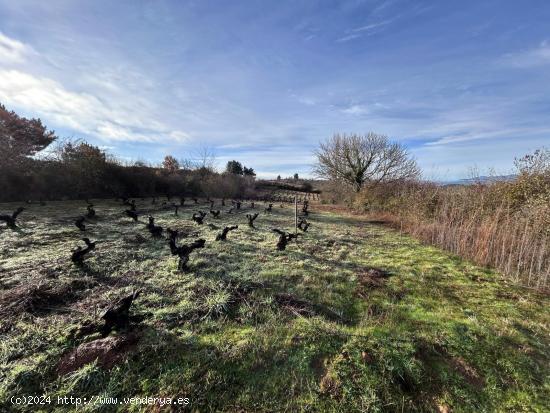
(505, 225)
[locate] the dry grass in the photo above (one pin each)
(503, 225)
(513, 246)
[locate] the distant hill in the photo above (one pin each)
(481, 179)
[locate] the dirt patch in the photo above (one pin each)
(378, 222)
(507, 295)
(137, 239)
(465, 370)
(373, 276)
(477, 278)
(369, 279)
(376, 311)
(313, 250)
(330, 386)
(35, 299)
(334, 208)
(294, 305)
(430, 354)
(81, 284)
(107, 351)
(300, 307)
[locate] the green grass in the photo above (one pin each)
(249, 328)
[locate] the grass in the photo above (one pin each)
(249, 328)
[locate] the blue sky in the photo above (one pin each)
(461, 84)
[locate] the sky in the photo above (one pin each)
(462, 84)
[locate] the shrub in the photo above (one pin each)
(505, 225)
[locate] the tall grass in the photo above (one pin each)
(510, 243)
(504, 225)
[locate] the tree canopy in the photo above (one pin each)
(170, 164)
(21, 137)
(236, 168)
(359, 160)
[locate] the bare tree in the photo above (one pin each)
(205, 158)
(358, 160)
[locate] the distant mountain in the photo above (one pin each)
(481, 179)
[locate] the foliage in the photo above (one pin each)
(234, 167)
(170, 164)
(77, 169)
(21, 137)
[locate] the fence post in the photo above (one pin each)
(295, 215)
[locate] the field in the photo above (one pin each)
(354, 316)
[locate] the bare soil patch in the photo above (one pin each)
(36, 299)
(107, 351)
(369, 279)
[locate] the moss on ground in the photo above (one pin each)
(314, 328)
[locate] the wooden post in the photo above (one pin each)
(295, 215)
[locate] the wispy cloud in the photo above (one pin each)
(366, 30)
(489, 134)
(371, 27)
(356, 110)
(304, 100)
(536, 56)
(348, 37)
(82, 112)
(12, 50)
(379, 21)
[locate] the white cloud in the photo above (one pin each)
(537, 56)
(356, 110)
(368, 29)
(488, 134)
(348, 37)
(372, 26)
(12, 50)
(179, 136)
(304, 100)
(82, 112)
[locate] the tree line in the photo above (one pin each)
(37, 165)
